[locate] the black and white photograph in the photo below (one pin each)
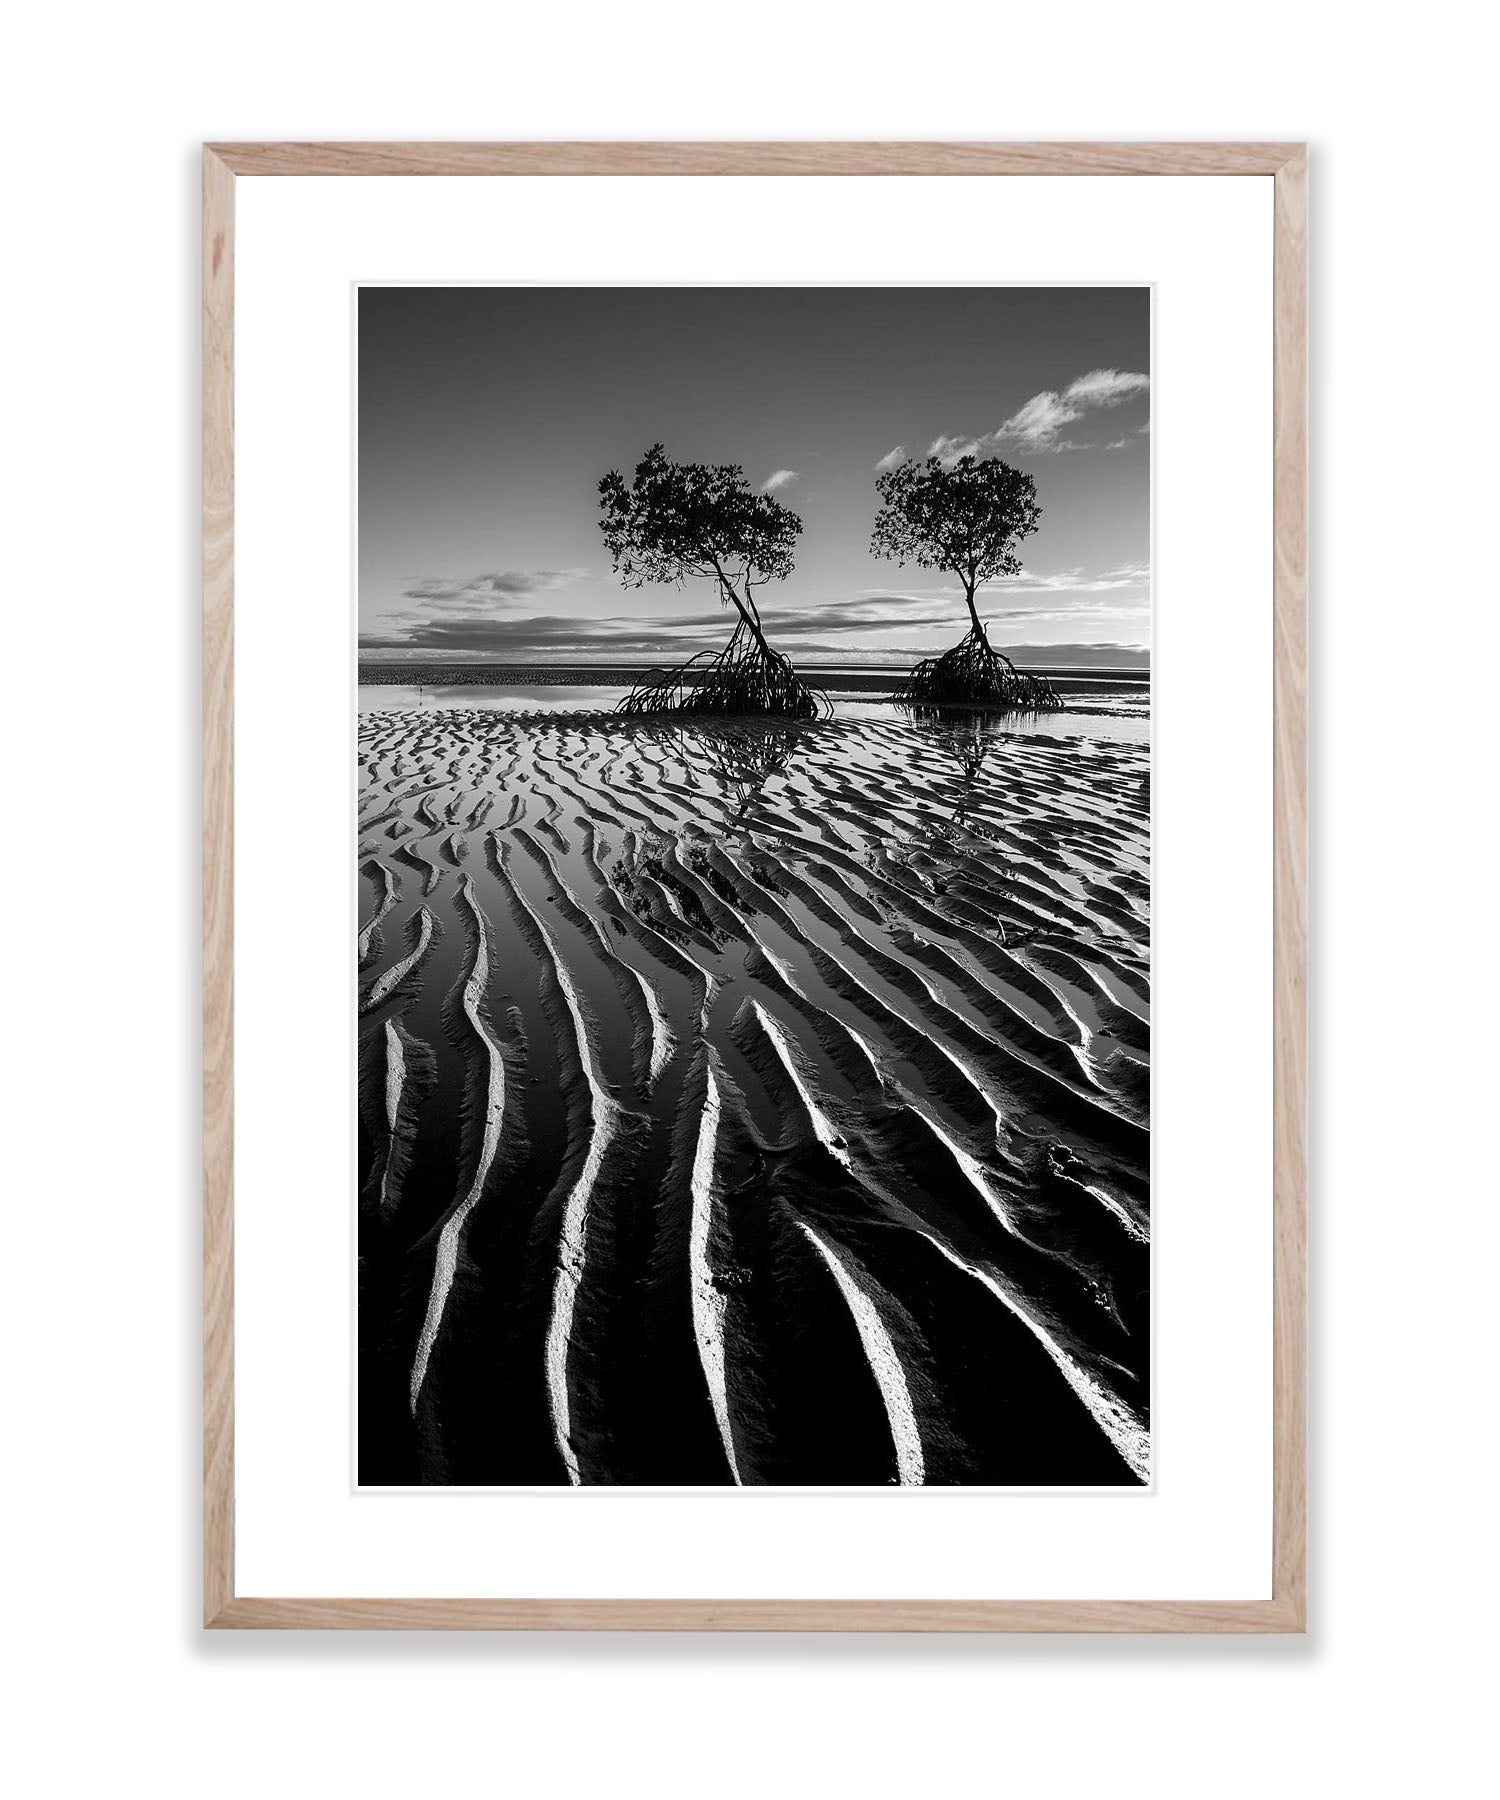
(707, 721)
(753, 871)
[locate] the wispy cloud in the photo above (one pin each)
(548, 633)
(438, 599)
(892, 457)
(1106, 387)
(1037, 427)
(874, 621)
(778, 479)
(1037, 424)
(949, 449)
(485, 590)
(1134, 576)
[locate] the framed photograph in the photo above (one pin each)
(754, 890)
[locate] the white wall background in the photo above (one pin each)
(112, 1680)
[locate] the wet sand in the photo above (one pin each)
(743, 1103)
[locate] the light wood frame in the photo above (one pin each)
(1286, 164)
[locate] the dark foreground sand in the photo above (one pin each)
(758, 1104)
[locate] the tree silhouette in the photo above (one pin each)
(676, 522)
(966, 519)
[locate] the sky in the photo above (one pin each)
(488, 415)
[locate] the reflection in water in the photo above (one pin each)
(1118, 715)
(965, 739)
(744, 756)
(481, 697)
(1122, 717)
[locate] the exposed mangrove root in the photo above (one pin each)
(974, 673)
(746, 677)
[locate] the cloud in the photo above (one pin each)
(448, 623)
(892, 457)
(887, 621)
(1036, 428)
(777, 480)
(1061, 582)
(484, 590)
(1106, 387)
(1037, 423)
(501, 637)
(437, 599)
(949, 449)
(893, 615)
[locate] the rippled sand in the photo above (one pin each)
(745, 1103)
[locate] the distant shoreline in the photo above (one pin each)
(846, 681)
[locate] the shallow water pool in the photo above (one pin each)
(1094, 711)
